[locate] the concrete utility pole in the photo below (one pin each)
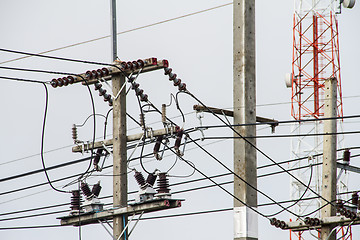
(328, 190)
(244, 94)
(119, 155)
(119, 138)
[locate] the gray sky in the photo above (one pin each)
(199, 49)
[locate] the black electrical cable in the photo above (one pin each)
(42, 141)
(243, 180)
(132, 118)
(35, 209)
(37, 70)
(99, 38)
(256, 148)
(94, 128)
(41, 170)
(92, 115)
(306, 157)
(187, 190)
(178, 107)
(285, 209)
(187, 214)
(133, 83)
(106, 121)
(33, 215)
(227, 167)
(300, 198)
(67, 164)
(284, 135)
(238, 199)
(41, 184)
(279, 121)
(23, 80)
(31, 227)
(177, 192)
(84, 159)
(91, 97)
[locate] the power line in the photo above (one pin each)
(182, 214)
(257, 149)
(283, 135)
(278, 122)
(22, 80)
(31, 227)
(107, 36)
(193, 166)
(41, 170)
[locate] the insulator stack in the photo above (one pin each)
(93, 74)
(278, 223)
(346, 156)
(74, 133)
(312, 221)
(163, 183)
(59, 82)
(173, 77)
(139, 92)
(157, 147)
(86, 190)
(97, 158)
(75, 200)
(135, 65)
(142, 120)
(102, 92)
(96, 189)
(140, 179)
(151, 178)
(340, 208)
(347, 213)
(163, 113)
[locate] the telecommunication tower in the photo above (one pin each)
(315, 58)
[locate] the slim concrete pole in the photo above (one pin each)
(119, 138)
(328, 190)
(244, 96)
(119, 155)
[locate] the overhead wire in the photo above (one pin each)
(22, 80)
(42, 141)
(91, 97)
(243, 180)
(110, 196)
(283, 135)
(108, 36)
(87, 158)
(255, 147)
(193, 96)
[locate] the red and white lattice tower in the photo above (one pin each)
(315, 58)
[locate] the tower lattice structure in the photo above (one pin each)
(315, 58)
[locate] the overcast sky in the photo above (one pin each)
(199, 49)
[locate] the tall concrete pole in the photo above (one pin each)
(119, 138)
(244, 96)
(328, 190)
(119, 155)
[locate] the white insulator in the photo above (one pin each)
(348, 3)
(74, 133)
